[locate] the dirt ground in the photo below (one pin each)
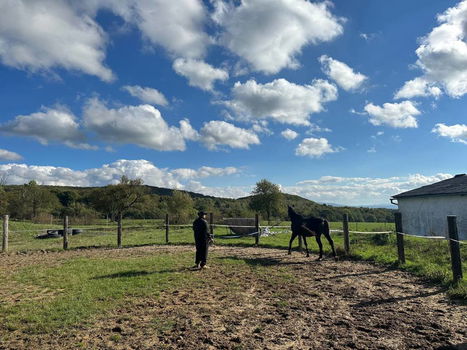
(274, 301)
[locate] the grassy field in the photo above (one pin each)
(424, 257)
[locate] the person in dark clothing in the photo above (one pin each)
(202, 240)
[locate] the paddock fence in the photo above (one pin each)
(67, 235)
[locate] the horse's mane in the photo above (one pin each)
(293, 214)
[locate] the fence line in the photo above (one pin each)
(264, 231)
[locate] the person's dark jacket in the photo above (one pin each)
(201, 230)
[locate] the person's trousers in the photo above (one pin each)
(201, 252)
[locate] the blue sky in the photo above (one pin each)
(344, 102)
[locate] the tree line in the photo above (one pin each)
(130, 198)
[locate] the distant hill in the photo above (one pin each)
(223, 207)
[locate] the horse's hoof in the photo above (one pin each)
(289, 253)
(308, 255)
(320, 258)
(336, 258)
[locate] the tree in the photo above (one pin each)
(115, 200)
(31, 200)
(267, 199)
(180, 206)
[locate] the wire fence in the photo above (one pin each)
(159, 232)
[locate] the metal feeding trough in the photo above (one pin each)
(59, 233)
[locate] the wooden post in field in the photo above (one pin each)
(400, 238)
(65, 232)
(454, 248)
(211, 224)
(5, 234)
(119, 230)
(166, 228)
(257, 229)
(345, 226)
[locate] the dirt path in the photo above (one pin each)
(270, 300)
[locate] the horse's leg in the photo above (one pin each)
(306, 246)
(320, 245)
(331, 243)
(291, 240)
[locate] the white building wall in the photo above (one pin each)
(427, 216)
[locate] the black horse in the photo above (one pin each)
(308, 227)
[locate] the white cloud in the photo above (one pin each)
(43, 34)
(111, 173)
(8, 155)
(49, 125)
(418, 87)
(280, 100)
(314, 147)
(314, 128)
(442, 55)
(141, 125)
(396, 115)
(341, 73)
(146, 94)
(205, 171)
(216, 133)
(176, 26)
(457, 132)
(269, 34)
(289, 134)
(199, 73)
(359, 190)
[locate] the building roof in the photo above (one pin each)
(456, 185)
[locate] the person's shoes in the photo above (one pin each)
(205, 267)
(196, 267)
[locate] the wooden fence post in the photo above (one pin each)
(211, 225)
(65, 232)
(5, 234)
(345, 226)
(454, 248)
(257, 229)
(166, 228)
(119, 231)
(400, 238)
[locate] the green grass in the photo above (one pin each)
(83, 287)
(424, 257)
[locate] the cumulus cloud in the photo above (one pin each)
(418, 87)
(217, 133)
(360, 190)
(289, 134)
(8, 155)
(49, 125)
(146, 94)
(111, 173)
(442, 55)
(341, 73)
(176, 26)
(269, 34)
(199, 73)
(314, 147)
(205, 171)
(141, 125)
(396, 115)
(43, 34)
(280, 100)
(457, 132)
